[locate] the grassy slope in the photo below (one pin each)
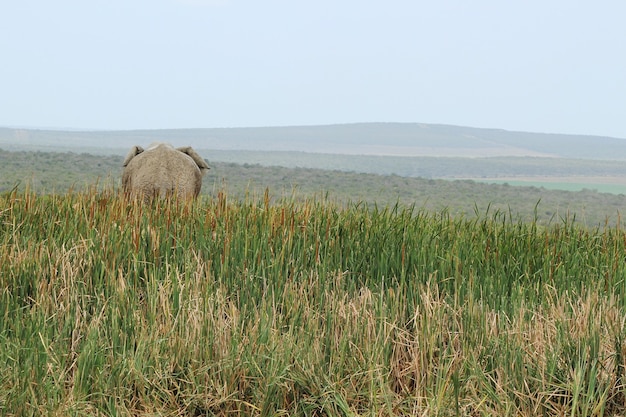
(232, 307)
(428, 167)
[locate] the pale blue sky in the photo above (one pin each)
(544, 66)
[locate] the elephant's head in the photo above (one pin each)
(162, 170)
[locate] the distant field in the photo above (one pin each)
(612, 185)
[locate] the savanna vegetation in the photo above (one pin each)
(300, 291)
(58, 172)
(288, 305)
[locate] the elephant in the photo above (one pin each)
(163, 171)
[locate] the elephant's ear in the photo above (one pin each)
(196, 158)
(134, 151)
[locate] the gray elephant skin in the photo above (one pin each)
(163, 171)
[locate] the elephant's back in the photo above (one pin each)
(162, 171)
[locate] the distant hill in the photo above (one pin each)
(384, 139)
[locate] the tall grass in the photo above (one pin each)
(254, 307)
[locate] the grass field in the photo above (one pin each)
(276, 307)
(601, 184)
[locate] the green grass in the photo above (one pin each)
(286, 306)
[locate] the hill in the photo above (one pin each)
(383, 139)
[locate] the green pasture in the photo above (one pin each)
(267, 306)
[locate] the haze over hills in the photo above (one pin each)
(384, 139)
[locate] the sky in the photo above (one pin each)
(555, 66)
